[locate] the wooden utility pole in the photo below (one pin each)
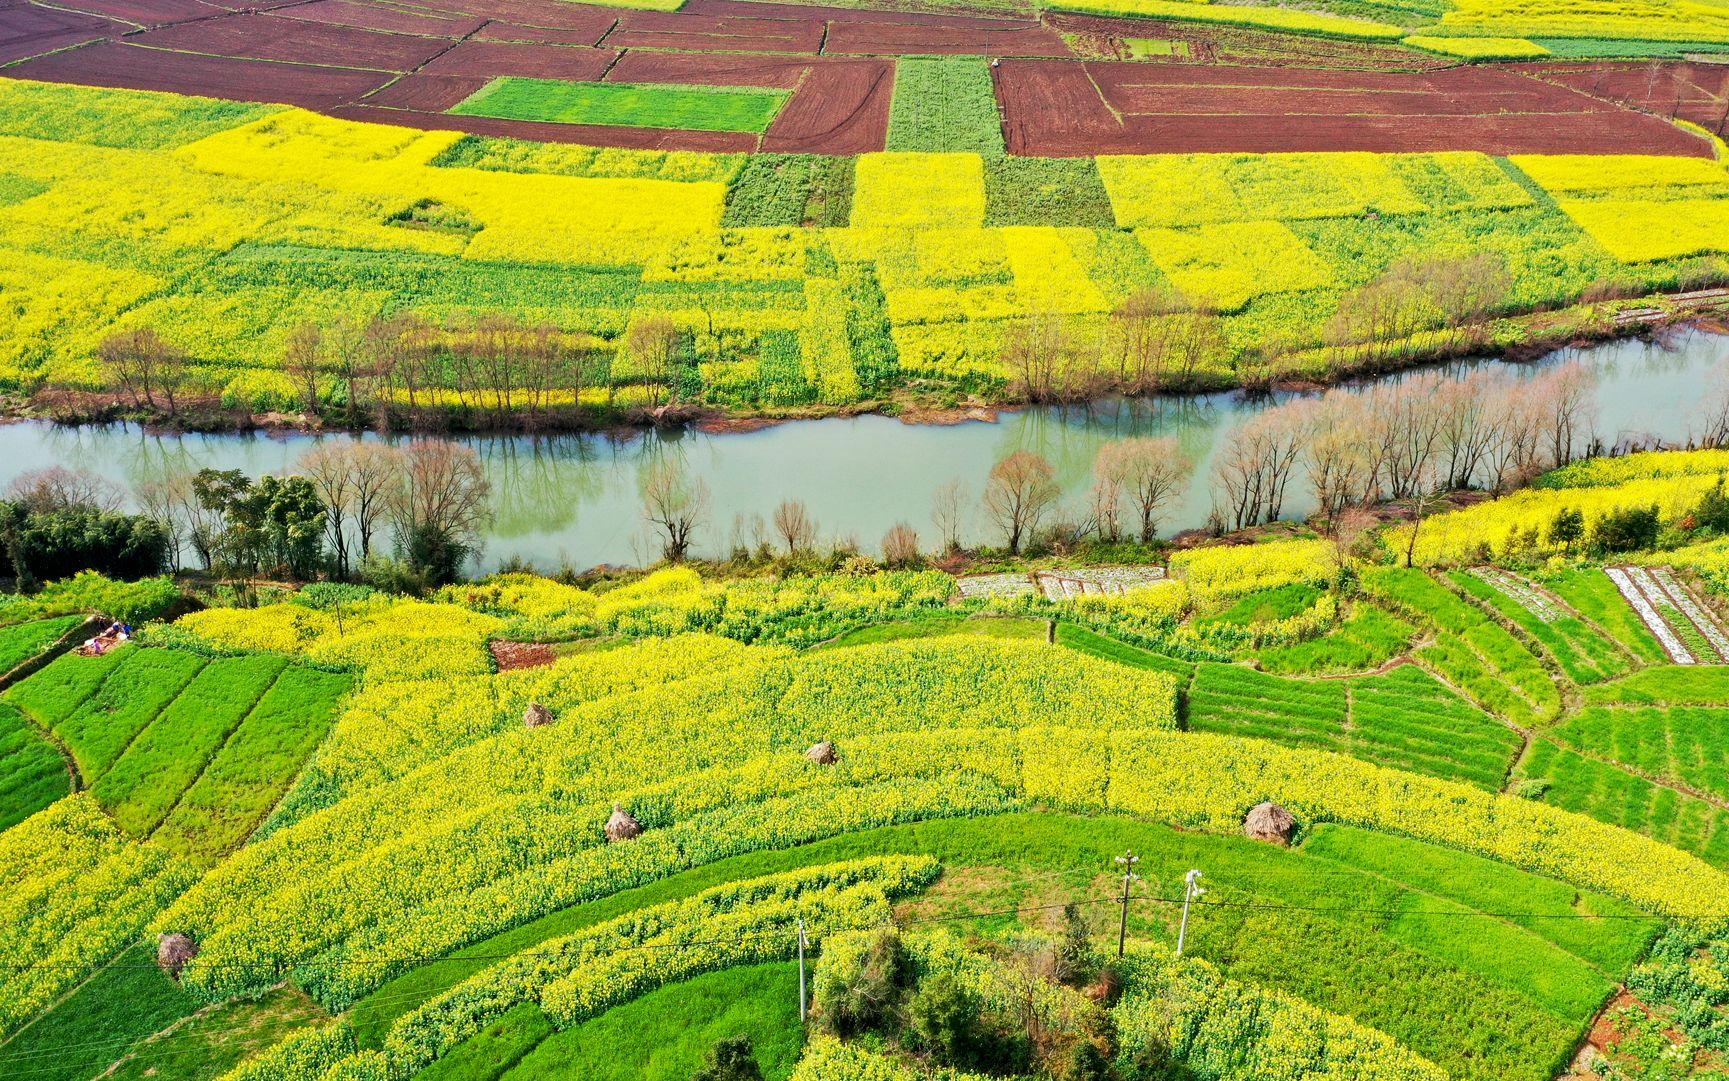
(1127, 862)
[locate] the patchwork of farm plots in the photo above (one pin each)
(224, 227)
(421, 817)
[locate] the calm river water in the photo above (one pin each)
(574, 499)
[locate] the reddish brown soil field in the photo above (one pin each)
(408, 61)
(495, 58)
(1066, 107)
(267, 37)
(894, 37)
(381, 17)
(112, 63)
(715, 33)
(1688, 91)
(28, 31)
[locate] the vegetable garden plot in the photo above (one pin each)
(1470, 649)
(1681, 745)
(1576, 782)
(1583, 653)
(1688, 633)
(1242, 701)
(700, 108)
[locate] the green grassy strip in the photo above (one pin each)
(1582, 653)
(1111, 649)
(664, 1035)
(22, 641)
(1434, 985)
(252, 770)
(687, 108)
(945, 105)
(167, 757)
(95, 1025)
(32, 773)
(1576, 782)
(136, 689)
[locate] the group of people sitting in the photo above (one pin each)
(115, 633)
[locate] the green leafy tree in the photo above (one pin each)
(731, 1059)
(1568, 528)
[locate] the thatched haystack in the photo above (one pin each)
(622, 826)
(1269, 822)
(173, 951)
(823, 754)
(536, 715)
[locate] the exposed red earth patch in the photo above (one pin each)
(545, 35)
(1066, 107)
(427, 93)
(147, 12)
(776, 72)
(511, 656)
(893, 37)
(841, 108)
(27, 31)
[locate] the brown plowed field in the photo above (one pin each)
(27, 31)
(146, 12)
(841, 108)
(396, 20)
(111, 63)
(427, 93)
(267, 37)
(1066, 107)
(408, 61)
(1695, 92)
(723, 33)
(777, 72)
(495, 58)
(892, 37)
(544, 35)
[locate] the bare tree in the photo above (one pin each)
(1255, 464)
(376, 471)
(55, 488)
(900, 546)
(948, 511)
(1042, 356)
(652, 345)
(1337, 459)
(300, 362)
(440, 503)
(1148, 471)
(1347, 528)
(1427, 493)
(674, 505)
(1565, 399)
(794, 525)
(1714, 408)
(1143, 337)
(145, 366)
(1197, 341)
(166, 501)
(1466, 425)
(330, 466)
(1020, 491)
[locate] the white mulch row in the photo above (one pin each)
(995, 585)
(1701, 617)
(1064, 584)
(1635, 596)
(1526, 595)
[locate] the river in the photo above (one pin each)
(573, 499)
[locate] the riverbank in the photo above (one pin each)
(1515, 339)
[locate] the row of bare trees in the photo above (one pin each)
(1426, 434)
(1158, 339)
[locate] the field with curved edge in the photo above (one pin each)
(1498, 809)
